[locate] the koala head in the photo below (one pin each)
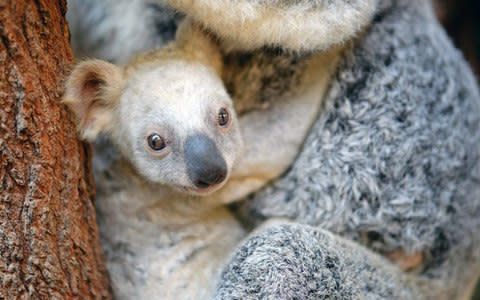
(171, 118)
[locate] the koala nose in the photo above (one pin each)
(205, 164)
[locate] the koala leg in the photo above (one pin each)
(293, 261)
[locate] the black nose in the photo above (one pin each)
(205, 164)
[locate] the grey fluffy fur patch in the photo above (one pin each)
(393, 160)
(300, 262)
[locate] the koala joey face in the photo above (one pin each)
(177, 125)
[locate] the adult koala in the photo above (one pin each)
(390, 166)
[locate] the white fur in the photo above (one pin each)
(175, 250)
(177, 100)
(310, 25)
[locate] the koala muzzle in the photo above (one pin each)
(205, 164)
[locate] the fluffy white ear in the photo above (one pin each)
(91, 92)
(294, 25)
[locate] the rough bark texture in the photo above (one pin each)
(49, 245)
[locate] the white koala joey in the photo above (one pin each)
(179, 156)
(177, 135)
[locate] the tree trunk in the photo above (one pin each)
(49, 245)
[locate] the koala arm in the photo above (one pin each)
(294, 261)
(304, 25)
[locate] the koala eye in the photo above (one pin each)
(156, 142)
(223, 117)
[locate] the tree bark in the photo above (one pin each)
(49, 246)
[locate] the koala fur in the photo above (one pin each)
(391, 164)
(158, 229)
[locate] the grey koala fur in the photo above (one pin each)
(293, 261)
(392, 163)
(393, 160)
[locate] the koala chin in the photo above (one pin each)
(177, 135)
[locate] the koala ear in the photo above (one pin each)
(200, 44)
(92, 91)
